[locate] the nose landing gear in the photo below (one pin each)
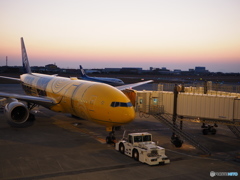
(111, 139)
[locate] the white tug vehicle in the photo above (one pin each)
(141, 147)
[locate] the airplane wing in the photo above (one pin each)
(43, 101)
(129, 86)
(11, 78)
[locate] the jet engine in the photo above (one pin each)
(18, 114)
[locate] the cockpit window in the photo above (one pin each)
(121, 104)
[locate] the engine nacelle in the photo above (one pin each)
(17, 113)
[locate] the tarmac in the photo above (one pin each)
(59, 146)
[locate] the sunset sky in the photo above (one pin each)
(177, 34)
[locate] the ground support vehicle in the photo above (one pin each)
(141, 147)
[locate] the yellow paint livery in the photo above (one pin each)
(84, 99)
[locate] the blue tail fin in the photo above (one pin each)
(82, 72)
(25, 62)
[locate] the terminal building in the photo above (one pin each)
(200, 70)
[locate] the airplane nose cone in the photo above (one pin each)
(128, 115)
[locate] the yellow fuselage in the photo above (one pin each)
(98, 102)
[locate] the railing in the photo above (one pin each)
(166, 118)
(235, 131)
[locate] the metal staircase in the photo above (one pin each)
(235, 131)
(167, 120)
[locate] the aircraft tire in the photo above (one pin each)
(178, 143)
(205, 131)
(213, 131)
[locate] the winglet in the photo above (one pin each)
(82, 72)
(25, 62)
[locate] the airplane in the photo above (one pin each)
(110, 81)
(98, 102)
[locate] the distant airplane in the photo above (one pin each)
(110, 81)
(97, 102)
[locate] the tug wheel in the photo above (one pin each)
(135, 155)
(121, 148)
(205, 131)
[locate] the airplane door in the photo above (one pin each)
(91, 103)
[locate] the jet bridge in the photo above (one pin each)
(191, 105)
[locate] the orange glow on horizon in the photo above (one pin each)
(135, 55)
